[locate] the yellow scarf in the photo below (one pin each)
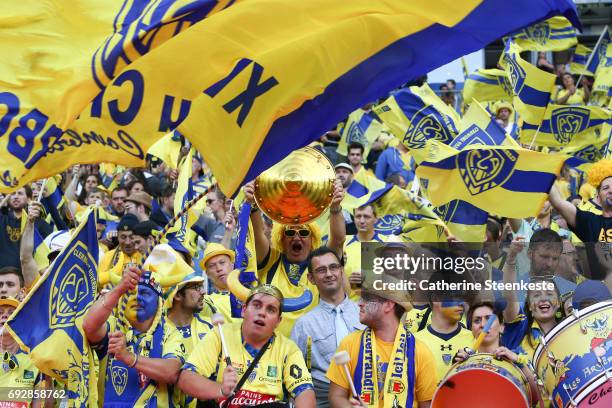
(399, 381)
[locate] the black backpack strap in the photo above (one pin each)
(246, 374)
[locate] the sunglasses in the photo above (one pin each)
(9, 361)
(302, 232)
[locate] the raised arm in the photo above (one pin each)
(29, 267)
(262, 243)
(509, 270)
(94, 324)
(337, 227)
(563, 207)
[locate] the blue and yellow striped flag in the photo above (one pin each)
(362, 127)
(566, 126)
(487, 85)
(417, 114)
(506, 180)
(603, 76)
(579, 60)
(554, 34)
(67, 52)
(278, 74)
(48, 323)
(598, 56)
(464, 221)
(531, 86)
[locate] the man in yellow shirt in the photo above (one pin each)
(113, 262)
(218, 262)
(17, 370)
(388, 365)
(207, 375)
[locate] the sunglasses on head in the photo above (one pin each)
(302, 232)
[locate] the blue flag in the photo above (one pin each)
(48, 323)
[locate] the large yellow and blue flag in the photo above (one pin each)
(579, 60)
(531, 86)
(279, 73)
(505, 180)
(362, 127)
(487, 85)
(554, 34)
(598, 56)
(603, 75)
(48, 323)
(417, 114)
(63, 54)
(565, 126)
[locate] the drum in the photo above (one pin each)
(574, 360)
(482, 381)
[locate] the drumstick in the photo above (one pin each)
(218, 321)
(342, 358)
(484, 332)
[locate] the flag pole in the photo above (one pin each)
(605, 30)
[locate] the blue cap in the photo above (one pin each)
(592, 291)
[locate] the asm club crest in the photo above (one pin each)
(427, 124)
(482, 170)
(538, 33)
(569, 121)
(516, 74)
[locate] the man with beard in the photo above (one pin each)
(139, 352)
(319, 332)
(590, 227)
(282, 260)
(113, 263)
(12, 225)
(387, 362)
(184, 304)
(280, 371)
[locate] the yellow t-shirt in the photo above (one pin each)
(425, 381)
(120, 385)
(192, 335)
(445, 346)
(415, 316)
(22, 376)
(279, 272)
(281, 367)
(576, 99)
(111, 266)
(218, 303)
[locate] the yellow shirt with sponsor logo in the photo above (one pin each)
(290, 279)
(414, 317)
(444, 346)
(23, 376)
(111, 266)
(424, 385)
(281, 367)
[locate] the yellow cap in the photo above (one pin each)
(9, 301)
(214, 249)
(267, 290)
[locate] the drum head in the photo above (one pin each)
(478, 388)
(599, 395)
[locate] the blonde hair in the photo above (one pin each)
(278, 231)
(599, 172)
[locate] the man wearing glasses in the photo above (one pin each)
(319, 332)
(282, 261)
